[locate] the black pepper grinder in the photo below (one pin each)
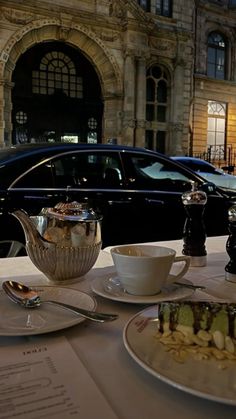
(230, 268)
(194, 233)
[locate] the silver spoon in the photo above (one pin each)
(191, 286)
(29, 298)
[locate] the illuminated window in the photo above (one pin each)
(57, 73)
(92, 123)
(92, 136)
(21, 117)
(216, 125)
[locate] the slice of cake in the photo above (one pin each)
(191, 316)
(205, 325)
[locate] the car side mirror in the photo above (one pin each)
(208, 187)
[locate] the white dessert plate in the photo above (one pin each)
(112, 289)
(18, 321)
(217, 286)
(201, 378)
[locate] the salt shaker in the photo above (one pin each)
(230, 268)
(194, 233)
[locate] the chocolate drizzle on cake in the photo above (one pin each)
(199, 316)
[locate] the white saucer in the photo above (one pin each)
(112, 289)
(18, 321)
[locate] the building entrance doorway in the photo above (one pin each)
(56, 96)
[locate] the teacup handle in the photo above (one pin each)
(185, 268)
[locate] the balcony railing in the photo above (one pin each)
(220, 156)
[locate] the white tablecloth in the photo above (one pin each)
(131, 391)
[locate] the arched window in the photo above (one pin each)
(216, 128)
(216, 53)
(156, 107)
(156, 94)
(57, 72)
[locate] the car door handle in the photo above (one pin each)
(114, 202)
(36, 197)
(155, 201)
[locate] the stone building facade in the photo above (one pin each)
(133, 72)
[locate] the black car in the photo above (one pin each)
(208, 171)
(137, 191)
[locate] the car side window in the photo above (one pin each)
(39, 177)
(149, 172)
(88, 170)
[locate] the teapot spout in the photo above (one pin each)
(31, 233)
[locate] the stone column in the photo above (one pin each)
(140, 102)
(112, 118)
(2, 125)
(6, 139)
(177, 125)
(176, 133)
(5, 113)
(129, 100)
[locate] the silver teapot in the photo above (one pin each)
(63, 242)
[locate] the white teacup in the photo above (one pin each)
(144, 269)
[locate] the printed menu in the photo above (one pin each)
(44, 378)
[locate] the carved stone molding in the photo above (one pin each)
(218, 2)
(129, 123)
(63, 31)
(141, 123)
(7, 84)
(140, 15)
(180, 62)
(138, 54)
(116, 10)
(163, 47)
(107, 35)
(176, 126)
(16, 16)
(4, 56)
(148, 124)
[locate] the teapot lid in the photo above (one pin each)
(73, 211)
(232, 214)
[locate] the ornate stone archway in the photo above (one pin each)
(73, 34)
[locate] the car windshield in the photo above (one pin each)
(199, 166)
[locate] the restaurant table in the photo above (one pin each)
(131, 391)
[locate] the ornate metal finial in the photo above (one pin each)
(194, 196)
